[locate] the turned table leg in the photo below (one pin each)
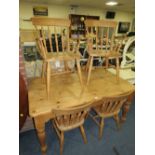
(126, 108)
(40, 128)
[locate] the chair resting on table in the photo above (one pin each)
(56, 47)
(100, 43)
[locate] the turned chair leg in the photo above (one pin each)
(88, 63)
(43, 71)
(90, 68)
(48, 78)
(101, 127)
(117, 120)
(83, 134)
(106, 63)
(61, 142)
(117, 69)
(66, 65)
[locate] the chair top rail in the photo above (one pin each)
(100, 23)
(114, 98)
(72, 110)
(40, 21)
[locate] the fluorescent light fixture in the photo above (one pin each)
(111, 3)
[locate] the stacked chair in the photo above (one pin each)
(100, 43)
(56, 47)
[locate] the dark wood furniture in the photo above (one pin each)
(23, 102)
(77, 25)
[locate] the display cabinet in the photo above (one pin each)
(77, 28)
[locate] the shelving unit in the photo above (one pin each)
(77, 29)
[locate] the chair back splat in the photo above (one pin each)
(111, 105)
(71, 116)
(54, 33)
(101, 34)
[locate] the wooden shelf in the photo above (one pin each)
(77, 24)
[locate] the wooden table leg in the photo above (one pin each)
(40, 128)
(126, 108)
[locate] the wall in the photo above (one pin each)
(26, 12)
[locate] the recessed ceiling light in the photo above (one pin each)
(111, 3)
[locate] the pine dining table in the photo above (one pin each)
(66, 91)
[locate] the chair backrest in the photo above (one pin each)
(72, 115)
(53, 33)
(42, 48)
(108, 105)
(100, 34)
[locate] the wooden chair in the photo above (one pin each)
(68, 119)
(100, 43)
(56, 47)
(108, 107)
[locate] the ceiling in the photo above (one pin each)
(124, 5)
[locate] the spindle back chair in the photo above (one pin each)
(100, 43)
(56, 48)
(109, 107)
(68, 119)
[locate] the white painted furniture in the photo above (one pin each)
(128, 61)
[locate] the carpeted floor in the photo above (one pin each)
(113, 142)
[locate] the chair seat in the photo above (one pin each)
(103, 53)
(113, 54)
(105, 114)
(97, 53)
(68, 127)
(62, 56)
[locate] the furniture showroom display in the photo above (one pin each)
(66, 92)
(70, 75)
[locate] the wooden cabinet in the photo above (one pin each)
(23, 101)
(77, 28)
